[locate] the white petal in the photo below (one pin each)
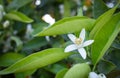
(101, 76)
(82, 53)
(93, 75)
(86, 43)
(70, 48)
(82, 34)
(72, 37)
(47, 38)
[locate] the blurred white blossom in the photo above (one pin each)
(110, 5)
(37, 2)
(48, 19)
(6, 23)
(94, 75)
(61, 7)
(29, 30)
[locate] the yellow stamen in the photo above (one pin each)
(78, 41)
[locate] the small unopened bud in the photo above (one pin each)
(48, 19)
(6, 24)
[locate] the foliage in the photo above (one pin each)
(30, 46)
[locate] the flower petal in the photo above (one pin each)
(82, 53)
(101, 76)
(82, 34)
(93, 75)
(72, 37)
(70, 48)
(86, 43)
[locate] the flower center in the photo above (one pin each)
(78, 41)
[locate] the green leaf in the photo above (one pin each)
(37, 60)
(19, 43)
(9, 58)
(78, 71)
(67, 8)
(99, 7)
(18, 16)
(39, 27)
(114, 56)
(104, 38)
(61, 73)
(106, 66)
(16, 4)
(101, 21)
(54, 68)
(68, 25)
(35, 43)
(24, 74)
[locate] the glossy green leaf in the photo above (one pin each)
(18, 16)
(99, 7)
(101, 21)
(61, 73)
(78, 71)
(37, 60)
(104, 38)
(68, 25)
(105, 66)
(10, 58)
(16, 4)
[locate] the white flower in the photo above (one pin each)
(94, 75)
(79, 43)
(6, 24)
(48, 19)
(37, 2)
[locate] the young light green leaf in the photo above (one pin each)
(78, 71)
(18, 16)
(104, 38)
(101, 21)
(61, 73)
(10, 58)
(37, 60)
(68, 25)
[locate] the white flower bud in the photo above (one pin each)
(6, 24)
(37, 2)
(93, 75)
(48, 19)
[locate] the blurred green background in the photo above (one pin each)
(21, 20)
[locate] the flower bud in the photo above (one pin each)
(6, 24)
